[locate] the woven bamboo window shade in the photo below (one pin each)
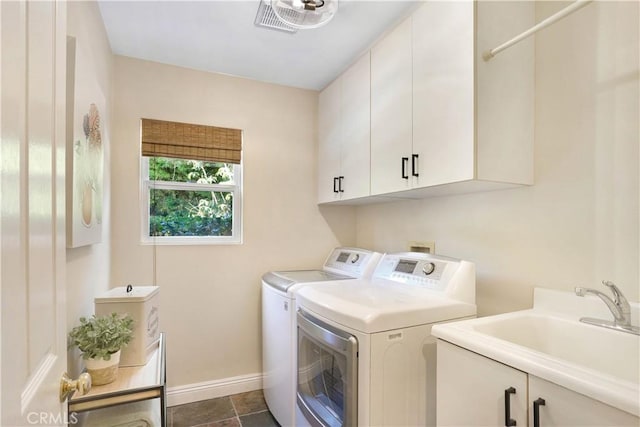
(195, 142)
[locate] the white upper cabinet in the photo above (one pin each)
(329, 141)
(344, 135)
(469, 126)
(422, 113)
(391, 111)
(443, 131)
(356, 129)
(443, 120)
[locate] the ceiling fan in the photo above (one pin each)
(305, 14)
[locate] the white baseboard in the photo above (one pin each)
(211, 389)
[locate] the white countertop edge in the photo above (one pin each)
(604, 388)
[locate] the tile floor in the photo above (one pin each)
(239, 410)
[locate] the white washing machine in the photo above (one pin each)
(365, 351)
(279, 346)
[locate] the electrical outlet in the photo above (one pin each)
(424, 247)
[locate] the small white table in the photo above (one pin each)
(133, 384)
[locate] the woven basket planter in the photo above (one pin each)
(103, 371)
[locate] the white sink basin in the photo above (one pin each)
(549, 341)
(610, 352)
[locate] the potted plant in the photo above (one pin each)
(100, 339)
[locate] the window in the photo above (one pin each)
(190, 200)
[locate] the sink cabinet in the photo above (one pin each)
(471, 389)
(344, 135)
(474, 390)
(564, 407)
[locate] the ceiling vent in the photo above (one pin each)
(266, 17)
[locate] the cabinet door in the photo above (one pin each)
(391, 110)
(329, 140)
(443, 114)
(356, 129)
(471, 389)
(563, 407)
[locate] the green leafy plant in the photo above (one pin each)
(99, 337)
(184, 212)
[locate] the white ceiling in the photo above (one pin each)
(220, 36)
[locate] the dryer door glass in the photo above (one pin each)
(327, 373)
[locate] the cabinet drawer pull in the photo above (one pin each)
(335, 184)
(405, 161)
(414, 165)
(508, 421)
(536, 411)
(340, 189)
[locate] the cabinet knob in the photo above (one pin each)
(405, 161)
(67, 386)
(335, 184)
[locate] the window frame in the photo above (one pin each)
(146, 185)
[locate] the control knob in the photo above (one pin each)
(428, 268)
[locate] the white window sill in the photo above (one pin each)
(190, 241)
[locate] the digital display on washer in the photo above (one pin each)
(343, 257)
(406, 266)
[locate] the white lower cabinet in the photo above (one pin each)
(474, 390)
(471, 390)
(563, 407)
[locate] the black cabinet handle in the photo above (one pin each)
(508, 421)
(414, 165)
(536, 411)
(335, 184)
(405, 161)
(340, 178)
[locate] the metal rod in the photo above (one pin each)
(579, 4)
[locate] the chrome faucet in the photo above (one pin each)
(619, 307)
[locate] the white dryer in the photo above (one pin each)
(365, 351)
(279, 345)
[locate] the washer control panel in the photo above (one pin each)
(429, 271)
(356, 262)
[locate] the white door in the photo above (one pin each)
(32, 218)
(356, 127)
(443, 110)
(391, 108)
(558, 406)
(329, 140)
(473, 390)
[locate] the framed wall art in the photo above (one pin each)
(85, 149)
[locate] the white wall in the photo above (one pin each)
(210, 295)
(579, 223)
(88, 267)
